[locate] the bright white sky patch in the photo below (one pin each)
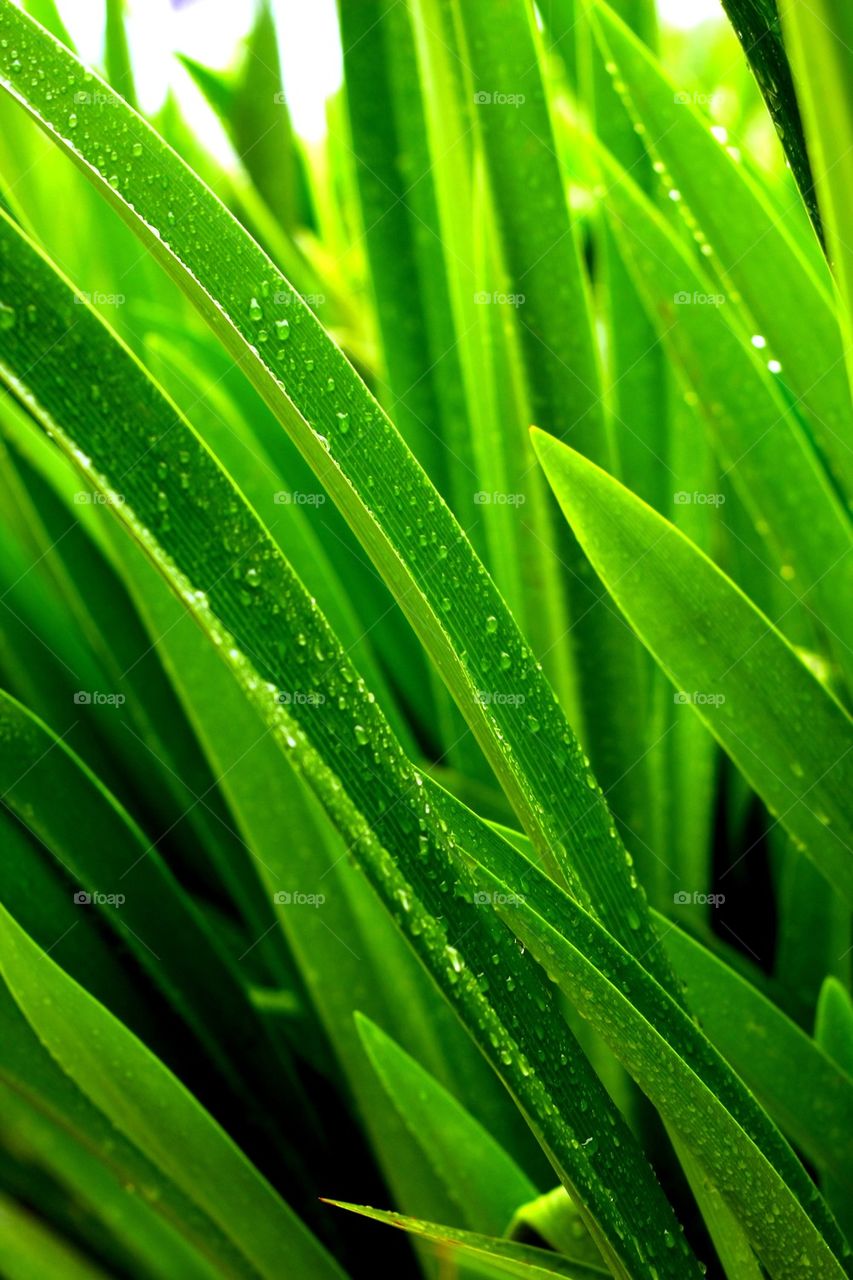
(210, 30)
(688, 13)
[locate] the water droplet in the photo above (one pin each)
(361, 735)
(491, 624)
(7, 316)
(255, 312)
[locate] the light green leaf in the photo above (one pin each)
(486, 1184)
(507, 1258)
(321, 401)
(783, 729)
(31, 1250)
(757, 26)
(149, 1105)
(279, 648)
(818, 36)
(752, 249)
(753, 428)
(108, 859)
(772, 1055)
(679, 1070)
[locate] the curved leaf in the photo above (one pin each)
(392, 507)
(783, 729)
(485, 1183)
(679, 1070)
(216, 555)
(523, 1262)
(149, 1105)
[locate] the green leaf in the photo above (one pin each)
(321, 401)
(485, 1183)
(119, 68)
(555, 1218)
(757, 436)
(763, 271)
(149, 1105)
(678, 1069)
(539, 249)
(349, 953)
(253, 109)
(730, 1240)
(51, 1126)
(32, 1250)
(757, 25)
(772, 1055)
(421, 381)
(490, 436)
(819, 36)
(278, 646)
(517, 1260)
(834, 1035)
(46, 12)
(813, 933)
(781, 727)
(64, 807)
(834, 1027)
